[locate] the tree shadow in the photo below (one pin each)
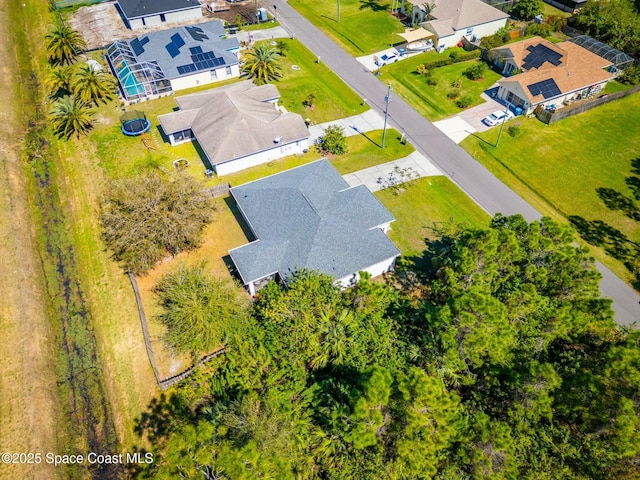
(635, 166)
(614, 200)
(611, 240)
(374, 6)
(634, 184)
(156, 422)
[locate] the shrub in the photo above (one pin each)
(432, 81)
(514, 130)
(540, 29)
(464, 102)
(631, 75)
(453, 56)
(453, 94)
(333, 140)
(457, 83)
(475, 71)
(527, 9)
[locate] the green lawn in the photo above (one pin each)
(363, 152)
(333, 98)
(432, 101)
(427, 202)
(366, 26)
(559, 169)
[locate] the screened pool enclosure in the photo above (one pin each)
(136, 79)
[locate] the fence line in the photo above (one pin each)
(574, 109)
(72, 3)
(170, 381)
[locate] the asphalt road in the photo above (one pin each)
(466, 172)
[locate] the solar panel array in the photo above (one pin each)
(137, 45)
(195, 50)
(174, 46)
(201, 61)
(539, 54)
(197, 33)
(547, 88)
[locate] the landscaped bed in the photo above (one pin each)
(573, 169)
(433, 101)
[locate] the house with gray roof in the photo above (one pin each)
(139, 14)
(238, 126)
(166, 61)
(451, 20)
(310, 218)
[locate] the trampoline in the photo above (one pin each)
(134, 123)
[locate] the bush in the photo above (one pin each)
(333, 140)
(555, 22)
(459, 57)
(432, 81)
(539, 29)
(527, 9)
(453, 94)
(631, 75)
(475, 71)
(493, 41)
(457, 83)
(464, 102)
(514, 130)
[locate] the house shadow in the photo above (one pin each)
(233, 207)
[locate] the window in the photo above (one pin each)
(228, 71)
(469, 31)
(214, 75)
(163, 18)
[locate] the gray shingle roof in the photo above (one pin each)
(142, 8)
(154, 46)
(455, 15)
(234, 121)
(309, 217)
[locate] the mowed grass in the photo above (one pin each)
(365, 26)
(333, 98)
(363, 151)
(431, 100)
(558, 168)
(428, 202)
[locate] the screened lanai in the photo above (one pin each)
(619, 59)
(136, 79)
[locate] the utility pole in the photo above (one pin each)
(386, 114)
(506, 110)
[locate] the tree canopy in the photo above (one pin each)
(493, 356)
(198, 309)
(64, 44)
(262, 64)
(151, 216)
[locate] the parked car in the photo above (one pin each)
(496, 117)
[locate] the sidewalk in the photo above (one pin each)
(258, 35)
(369, 61)
(365, 122)
(378, 177)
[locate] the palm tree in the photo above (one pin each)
(71, 116)
(57, 81)
(262, 64)
(64, 44)
(91, 85)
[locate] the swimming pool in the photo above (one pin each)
(130, 84)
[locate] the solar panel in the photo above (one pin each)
(172, 49)
(177, 40)
(182, 70)
(195, 50)
(197, 33)
(539, 54)
(144, 40)
(136, 46)
(547, 88)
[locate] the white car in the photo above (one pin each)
(496, 117)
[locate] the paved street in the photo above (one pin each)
(484, 188)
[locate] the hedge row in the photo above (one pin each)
(454, 57)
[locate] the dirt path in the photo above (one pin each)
(28, 392)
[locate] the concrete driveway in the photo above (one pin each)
(467, 122)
